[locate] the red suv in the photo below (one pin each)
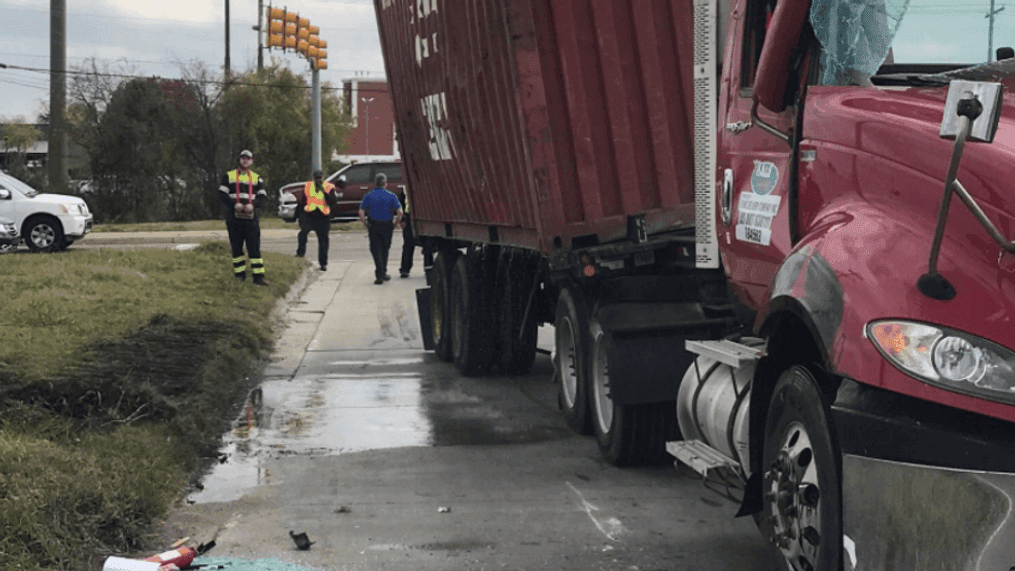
(359, 179)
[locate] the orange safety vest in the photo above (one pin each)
(315, 199)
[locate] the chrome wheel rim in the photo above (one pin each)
(43, 235)
(567, 355)
(792, 489)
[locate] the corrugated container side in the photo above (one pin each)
(547, 119)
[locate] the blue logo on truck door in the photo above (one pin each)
(764, 178)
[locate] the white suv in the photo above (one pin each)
(46, 221)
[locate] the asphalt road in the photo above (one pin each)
(388, 459)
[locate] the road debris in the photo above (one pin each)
(302, 541)
(443, 510)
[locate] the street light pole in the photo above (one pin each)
(367, 101)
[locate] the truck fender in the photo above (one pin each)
(805, 286)
(800, 322)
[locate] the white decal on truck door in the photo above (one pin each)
(435, 110)
(754, 217)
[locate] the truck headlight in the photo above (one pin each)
(72, 209)
(947, 358)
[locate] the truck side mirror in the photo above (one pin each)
(984, 125)
(773, 68)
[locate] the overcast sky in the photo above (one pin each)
(151, 36)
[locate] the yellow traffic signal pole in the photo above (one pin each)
(286, 30)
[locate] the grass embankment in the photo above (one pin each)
(119, 372)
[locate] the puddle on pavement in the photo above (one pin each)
(316, 416)
(355, 405)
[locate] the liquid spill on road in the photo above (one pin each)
(363, 402)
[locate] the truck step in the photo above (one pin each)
(707, 461)
(727, 352)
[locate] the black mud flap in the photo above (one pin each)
(423, 305)
(752, 496)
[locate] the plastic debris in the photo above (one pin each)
(302, 541)
(205, 547)
(125, 564)
(443, 510)
(233, 564)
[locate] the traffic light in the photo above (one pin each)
(276, 27)
(287, 30)
(290, 33)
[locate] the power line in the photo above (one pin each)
(160, 62)
(199, 81)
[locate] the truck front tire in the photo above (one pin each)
(802, 485)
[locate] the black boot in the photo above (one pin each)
(259, 280)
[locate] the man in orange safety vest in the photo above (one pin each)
(313, 207)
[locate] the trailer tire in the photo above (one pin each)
(800, 455)
(440, 308)
(471, 334)
(516, 347)
(571, 328)
(628, 435)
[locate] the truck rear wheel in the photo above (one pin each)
(440, 314)
(572, 331)
(471, 333)
(802, 486)
(628, 435)
(516, 345)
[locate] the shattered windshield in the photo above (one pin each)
(929, 36)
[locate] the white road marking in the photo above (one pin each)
(611, 527)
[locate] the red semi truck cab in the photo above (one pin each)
(885, 301)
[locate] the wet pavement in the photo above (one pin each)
(389, 459)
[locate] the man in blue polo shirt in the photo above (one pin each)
(380, 212)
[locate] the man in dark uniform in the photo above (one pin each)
(313, 207)
(241, 192)
(380, 212)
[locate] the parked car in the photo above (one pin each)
(47, 222)
(359, 179)
(9, 236)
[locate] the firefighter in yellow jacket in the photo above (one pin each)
(241, 193)
(313, 208)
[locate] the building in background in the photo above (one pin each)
(373, 134)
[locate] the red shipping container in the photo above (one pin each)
(535, 122)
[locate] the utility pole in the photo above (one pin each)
(260, 49)
(56, 160)
(227, 40)
(990, 31)
(367, 101)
